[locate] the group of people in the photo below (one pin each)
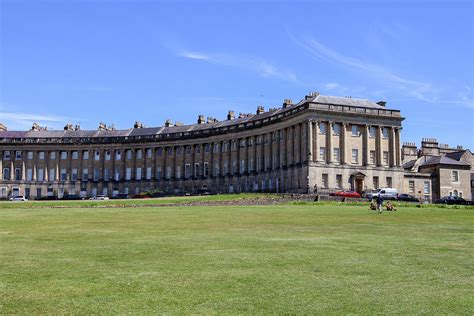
(377, 204)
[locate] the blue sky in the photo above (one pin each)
(126, 61)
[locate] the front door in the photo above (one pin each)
(359, 185)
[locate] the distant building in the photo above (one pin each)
(336, 143)
(449, 169)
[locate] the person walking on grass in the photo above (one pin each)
(379, 203)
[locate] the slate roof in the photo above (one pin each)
(148, 131)
(323, 99)
(456, 155)
(443, 161)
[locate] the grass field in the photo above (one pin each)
(325, 259)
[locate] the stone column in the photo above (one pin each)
(398, 152)
(378, 146)
(343, 142)
(329, 142)
(285, 147)
(56, 176)
(316, 142)
(34, 173)
(310, 141)
(1, 168)
(12, 169)
(366, 152)
(23, 175)
(392, 148)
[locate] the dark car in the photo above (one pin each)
(72, 197)
(407, 198)
(451, 200)
(349, 194)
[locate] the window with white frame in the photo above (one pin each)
(454, 176)
(168, 172)
(411, 186)
(118, 154)
(197, 171)
(85, 155)
(63, 155)
(322, 128)
(426, 187)
(149, 152)
(6, 173)
(339, 181)
(138, 173)
(336, 154)
(187, 170)
(41, 155)
(324, 181)
(322, 153)
(128, 154)
(18, 155)
(385, 157)
(148, 173)
(372, 132)
(337, 129)
(97, 155)
(178, 172)
(107, 155)
(52, 174)
(52, 155)
(355, 130)
(29, 155)
(106, 174)
(242, 166)
(128, 174)
(139, 154)
(74, 174)
(29, 174)
(6, 155)
(226, 167)
(158, 173)
(40, 175)
(117, 174)
(206, 169)
(375, 182)
(63, 174)
(96, 175)
(85, 174)
(355, 156)
(75, 155)
(372, 157)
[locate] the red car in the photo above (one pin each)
(349, 194)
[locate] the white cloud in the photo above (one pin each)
(331, 85)
(249, 63)
(22, 120)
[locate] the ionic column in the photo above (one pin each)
(343, 142)
(23, 172)
(393, 147)
(34, 173)
(398, 152)
(310, 141)
(12, 169)
(329, 142)
(1, 168)
(316, 142)
(378, 146)
(56, 175)
(366, 153)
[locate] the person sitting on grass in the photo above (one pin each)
(373, 205)
(390, 207)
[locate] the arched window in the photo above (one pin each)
(455, 193)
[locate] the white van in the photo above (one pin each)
(386, 193)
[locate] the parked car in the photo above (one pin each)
(99, 197)
(407, 198)
(19, 198)
(120, 196)
(451, 200)
(349, 194)
(386, 193)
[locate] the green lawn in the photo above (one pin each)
(325, 259)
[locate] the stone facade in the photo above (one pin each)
(328, 142)
(449, 170)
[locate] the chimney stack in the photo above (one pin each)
(3, 127)
(69, 127)
(138, 125)
(287, 103)
(260, 109)
(102, 126)
(230, 115)
(168, 123)
(382, 103)
(201, 119)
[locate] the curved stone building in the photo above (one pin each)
(331, 142)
